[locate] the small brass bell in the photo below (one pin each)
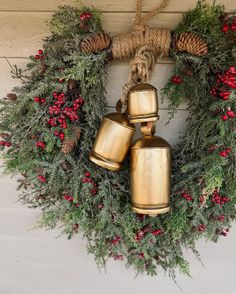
(143, 103)
(113, 140)
(150, 173)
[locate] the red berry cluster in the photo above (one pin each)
(157, 232)
(91, 181)
(42, 179)
(229, 25)
(187, 196)
(85, 16)
(147, 229)
(116, 240)
(224, 232)
(117, 256)
(201, 227)
(39, 100)
(40, 145)
(176, 80)
(75, 227)
(40, 55)
(60, 135)
(70, 199)
(223, 80)
(60, 113)
(141, 255)
(5, 143)
(139, 235)
(221, 218)
(218, 199)
(229, 114)
(225, 152)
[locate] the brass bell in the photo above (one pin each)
(150, 173)
(143, 103)
(113, 140)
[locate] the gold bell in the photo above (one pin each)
(113, 140)
(143, 103)
(150, 173)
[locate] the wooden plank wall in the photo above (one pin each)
(34, 261)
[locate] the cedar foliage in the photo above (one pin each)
(98, 205)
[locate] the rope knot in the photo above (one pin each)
(139, 27)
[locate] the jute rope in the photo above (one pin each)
(142, 67)
(139, 20)
(145, 45)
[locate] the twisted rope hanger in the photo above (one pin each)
(144, 60)
(139, 20)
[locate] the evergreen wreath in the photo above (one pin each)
(48, 126)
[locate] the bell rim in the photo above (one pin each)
(99, 160)
(132, 128)
(137, 119)
(151, 211)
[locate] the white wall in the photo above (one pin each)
(36, 262)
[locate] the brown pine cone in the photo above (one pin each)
(11, 96)
(69, 144)
(71, 84)
(95, 43)
(190, 43)
(42, 68)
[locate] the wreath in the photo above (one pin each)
(49, 123)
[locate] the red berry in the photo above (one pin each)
(141, 255)
(40, 144)
(85, 16)
(225, 28)
(221, 218)
(37, 57)
(230, 114)
(42, 179)
(8, 144)
(43, 100)
(201, 227)
(228, 150)
(233, 27)
(37, 99)
(40, 51)
(81, 101)
(176, 80)
(62, 136)
(87, 174)
(223, 154)
(224, 117)
(157, 232)
(232, 68)
(61, 80)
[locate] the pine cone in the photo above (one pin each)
(69, 144)
(71, 84)
(42, 68)
(190, 43)
(11, 96)
(95, 43)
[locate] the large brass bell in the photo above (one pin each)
(150, 173)
(113, 140)
(143, 103)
